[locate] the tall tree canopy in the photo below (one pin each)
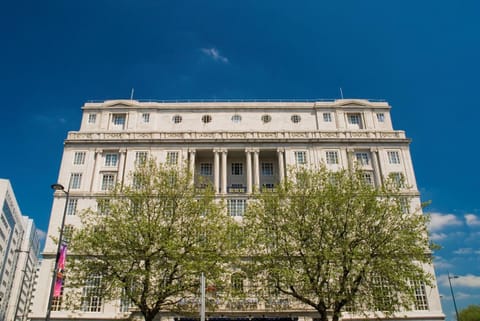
(333, 241)
(148, 242)
(470, 313)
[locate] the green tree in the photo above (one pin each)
(470, 313)
(149, 242)
(335, 242)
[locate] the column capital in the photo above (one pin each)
(122, 150)
(252, 150)
(280, 150)
(374, 149)
(350, 150)
(192, 150)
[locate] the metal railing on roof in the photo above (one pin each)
(253, 100)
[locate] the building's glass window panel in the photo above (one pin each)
(206, 119)
(405, 205)
(236, 119)
(267, 169)
(92, 118)
(237, 188)
(380, 117)
(79, 158)
(140, 158)
(103, 206)
(172, 158)
(176, 119)
(58, 300)
(237, 282)
(327, 117)
(382, 294)
(237, 169)
(421, 302)
(146, 117)
(354, 119)
(75, 180)
(91, 295)
(368, 178)
(108, 182)
(206, 169)
(398, 179)
(268, 187)
(72, 206)
(125, 302)
(236, 207)
(266, 118)
(362, 158)
(393, 157)
(295, 118)
(332, 157)
(4, 221)
(111, 160)
(118, 120)
(300, 157)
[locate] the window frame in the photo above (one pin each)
(266, 168)
(300, 157)
(331, 157)
(362, 158)
(111, 159)
(79, 158)
(236, 169)
(236, 207)
(393, 157)
(206, 169)
(108, 181)
(327, 117)
(172, 157)
(75, 181)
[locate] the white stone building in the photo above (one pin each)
(239, 146)
(19, 250)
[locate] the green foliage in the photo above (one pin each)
(151, 240)
(334, 242)
(470, 313)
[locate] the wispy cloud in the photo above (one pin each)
(467, 281)
(215, 55)
(464, 251)
(440, 221)
(49, 120)
(438, 236)
(41, 234)
(472, 220)
(441, 264)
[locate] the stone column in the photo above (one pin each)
(224, 171)
(376, 166)
(248, 154)
(191, 164)
(281, 164)
(256, 169)
(216, 169)
(350, 158)
(122, 159)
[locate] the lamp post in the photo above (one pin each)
(451, 290)
(57, 187)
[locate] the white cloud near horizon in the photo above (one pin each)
(42, 235)
(215, 55)
(472, 220)
(439, 221)
(466, 281)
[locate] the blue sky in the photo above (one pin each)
(420, 56)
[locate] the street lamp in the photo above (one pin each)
(451, 290)
(57, 187)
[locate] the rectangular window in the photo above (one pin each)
(267, 169)
(140, 158)
(146, 117)
(362, 158)
(300, 158)
(103, 206)
(206, 169)
(327, 117)
(75, 180)
(421, 302)
(236, 207)
(79, 158)
(172, 158)
(380, 117)
(237, 169)
(4, 222)
(92, 118)
(72, 206)
(91, 295)
(405, 205)
(108, 182)
(393, 157)
(332, 157)
(368, 178)
(118, 120)
(398, 179)
(354, 119)
(111, 160)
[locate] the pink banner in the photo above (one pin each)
(62, 257)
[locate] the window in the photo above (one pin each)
(4, 221)
(92, 118)
(111, 160)
(266, 118)
(206, 169)
(332, 157)
(398, 179)
(393, 157)
(237, 188)
(268, 187)
(354, 119)
(327, 117)
(381, 117)
(368, 178)
(108, 181)
(118, 120)
(172, 158)
(405, 205)
(362, 158)
(295, 118)
(267, 169)
(178, 119)
(75, 180)
(79, 158)
(91, 295)
(237, 283)
(236, 119)
(57, 300)
(421, 302)
(140, 158)
(103, 206)
(236, 207)
(300, 158)
(206, 119)
(72, 206)
(382, 294)
(237, 169)
(146, 117)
